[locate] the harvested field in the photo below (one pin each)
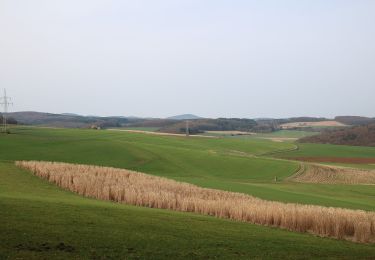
(334, 175)
(312, 124)
(349, 160)
(140, 189)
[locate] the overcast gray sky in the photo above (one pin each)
(210, 58)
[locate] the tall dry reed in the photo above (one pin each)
(145, 190)
(334, 175)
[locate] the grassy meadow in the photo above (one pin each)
(220, 163)
(39, 220)
(37, 215)
(330, 150)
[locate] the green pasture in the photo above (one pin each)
(287, 134)
(222, 163)
(39, 220)
(146, 129)
(330, 150)
(276, 134)
(168, 156)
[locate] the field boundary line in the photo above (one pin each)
(301, 169)
(295, 148)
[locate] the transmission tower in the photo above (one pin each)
(5, 101)
(187, 128)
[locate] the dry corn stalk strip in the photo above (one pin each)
(140, 189)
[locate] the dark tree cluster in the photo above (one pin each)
(10, 120)
(197, 126)
(363, 135)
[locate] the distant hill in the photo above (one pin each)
(184, 117)
(65, 120)
(363, 135)
(10, 120)
(355, 120)
(70, 114)
(221, 124)
(171, 125)
(176, 124)
(301, 119)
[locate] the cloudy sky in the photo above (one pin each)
(212, 58)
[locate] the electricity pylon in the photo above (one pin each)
(5, 102)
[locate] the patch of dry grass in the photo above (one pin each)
(312, 124)
(140, 189)
(335, 175)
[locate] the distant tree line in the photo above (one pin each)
(197, 126)
(10, 120)
(363, 135)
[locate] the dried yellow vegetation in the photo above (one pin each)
(140, 189)
(334, 175)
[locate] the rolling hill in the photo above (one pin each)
(41, 220)
(184, 117)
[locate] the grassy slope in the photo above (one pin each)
(329, 150)
(277, 134)
(160, 155)
(202, 161)
(36, 215)
(287, 134)
(146, 129)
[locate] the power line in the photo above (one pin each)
(187, 128)
(5, 101)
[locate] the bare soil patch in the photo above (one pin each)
(334, 175)
(349, 160)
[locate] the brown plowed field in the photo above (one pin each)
(315, 173)
(351, 160)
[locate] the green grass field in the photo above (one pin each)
(146, 129)
(36, 215)
(287, 134)
(329, 150)
(39, 220)
(276, 134)
(222, 163)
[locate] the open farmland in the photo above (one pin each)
(312, 124)
(313, 173)
(351, 156)
(155, 192)
(280, 133)
(229, 164)
(190, 130)
(226, 163)
(71, 226)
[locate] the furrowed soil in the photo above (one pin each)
(347, 160)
